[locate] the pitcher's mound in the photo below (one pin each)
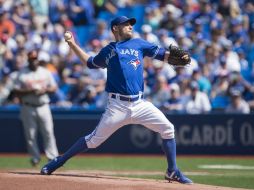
(80, 180)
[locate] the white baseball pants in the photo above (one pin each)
(34, 119)
(119, 113)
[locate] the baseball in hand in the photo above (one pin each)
(67, 35)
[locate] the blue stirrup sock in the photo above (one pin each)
(169, 148)
(79, 146)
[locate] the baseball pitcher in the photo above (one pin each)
(125, 85)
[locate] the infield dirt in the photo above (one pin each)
(83, 180)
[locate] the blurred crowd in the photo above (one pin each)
(219, 34)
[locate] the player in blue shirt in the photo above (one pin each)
(125, 85)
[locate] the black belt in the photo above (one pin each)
(33, 105)
(127, 99)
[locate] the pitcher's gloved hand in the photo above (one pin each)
(178, 56)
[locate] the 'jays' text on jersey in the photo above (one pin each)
(124, 63)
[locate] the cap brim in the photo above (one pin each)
(132, 21)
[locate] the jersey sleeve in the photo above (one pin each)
(152, 50)
(51, 80)
(98, 61)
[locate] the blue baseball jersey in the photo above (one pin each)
(124, 63)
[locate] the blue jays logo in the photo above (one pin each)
(135, 63)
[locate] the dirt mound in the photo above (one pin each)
(90, 180)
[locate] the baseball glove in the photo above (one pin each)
(178, 56)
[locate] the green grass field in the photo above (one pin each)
(240, 172)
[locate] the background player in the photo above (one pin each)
(32, 85)
(125, 85)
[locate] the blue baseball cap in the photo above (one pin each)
(122, 19)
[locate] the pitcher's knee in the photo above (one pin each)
(168, 132)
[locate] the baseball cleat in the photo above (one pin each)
(177, 176)
(51, 166)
